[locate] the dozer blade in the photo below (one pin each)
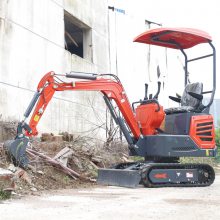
(119, 177)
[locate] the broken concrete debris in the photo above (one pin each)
(60, 164)
(6, 180)
(22, 174)
(64, 155)
(64, 136)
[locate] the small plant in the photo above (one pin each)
(217, 140)
(66, 179)
(136, 158)
(4, 195)
(94, 173)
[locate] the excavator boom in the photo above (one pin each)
(50, 83)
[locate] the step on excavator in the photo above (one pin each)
(188, 130)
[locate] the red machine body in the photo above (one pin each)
(149, 117)
(202, 131)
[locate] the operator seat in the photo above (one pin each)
(189, 102)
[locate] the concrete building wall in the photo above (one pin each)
(32, 44)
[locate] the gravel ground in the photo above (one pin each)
(118, 203)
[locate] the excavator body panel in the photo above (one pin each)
(149, 117)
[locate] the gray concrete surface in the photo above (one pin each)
(32, 44)
(118, 203)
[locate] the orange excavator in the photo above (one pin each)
(188, 130)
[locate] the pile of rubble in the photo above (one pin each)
(56, 162)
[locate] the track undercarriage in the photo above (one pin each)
(157, 175)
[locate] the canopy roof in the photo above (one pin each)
(176, 38)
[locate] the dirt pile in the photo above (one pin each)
(82, 155)
(7, 130)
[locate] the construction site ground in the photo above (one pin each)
(45, 190)
(118, 203)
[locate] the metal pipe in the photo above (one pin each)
(206, 92)
(80, 75)
(199, 58)
(214, 75)
(186, 66)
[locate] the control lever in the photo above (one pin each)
(158, 90)
(146, 90)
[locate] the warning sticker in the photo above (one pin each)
(36, 118)
(189, 175)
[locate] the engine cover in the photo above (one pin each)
(149, 116)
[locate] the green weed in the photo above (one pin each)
(4, 195)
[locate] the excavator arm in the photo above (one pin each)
(109, 85)
(112, 89)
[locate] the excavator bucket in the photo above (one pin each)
(17, 150)
(119, 177)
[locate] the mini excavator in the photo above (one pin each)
(188, 129)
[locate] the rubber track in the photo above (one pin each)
(147, 169)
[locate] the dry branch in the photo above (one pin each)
(55, 163)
